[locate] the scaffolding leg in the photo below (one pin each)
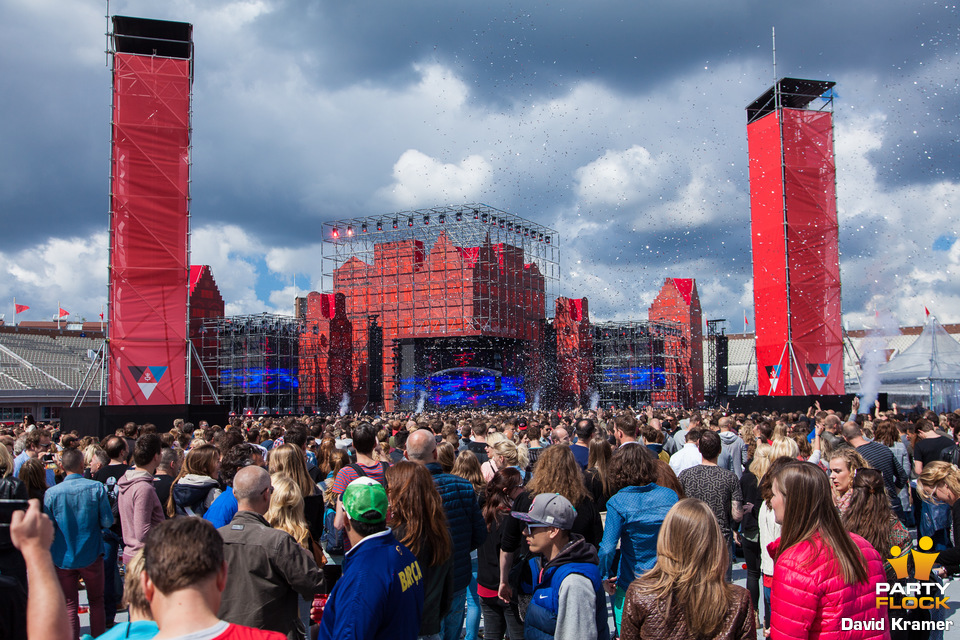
(98, 362)
(203, 372)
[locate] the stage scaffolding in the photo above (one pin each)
(256, 358)
(443, 272)
(636, 363)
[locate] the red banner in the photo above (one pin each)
(795, 254)
(20, 308)
(149, 223)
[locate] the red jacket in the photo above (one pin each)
(810, 598)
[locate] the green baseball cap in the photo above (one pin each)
(365, 500)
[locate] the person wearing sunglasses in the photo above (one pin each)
(568, 600)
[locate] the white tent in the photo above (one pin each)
(927, 371)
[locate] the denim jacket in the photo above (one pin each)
(634, 516)
(79, 509)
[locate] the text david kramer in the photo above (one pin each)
(849, 624)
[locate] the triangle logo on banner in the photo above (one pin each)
(147, 378)
(819, 373)
(773, 372)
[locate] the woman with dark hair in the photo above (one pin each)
(823, 575)
(886, 433)
(446, 456)
(504, 488)
(686, 595)
(870, 516)
(634, 515)
(34, 477)
(420, 524)
(769, 528)
(558, 472)
(597, 476)
(195, 487)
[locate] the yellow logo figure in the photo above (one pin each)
(923, 562)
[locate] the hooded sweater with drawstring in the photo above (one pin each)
(140, 509)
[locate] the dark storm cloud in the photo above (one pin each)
(303, 111)
(507, 47)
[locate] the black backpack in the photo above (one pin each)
(363, 474)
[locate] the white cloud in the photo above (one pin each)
(71, 271)
(420, 180)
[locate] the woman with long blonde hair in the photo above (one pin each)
(467, 467)
(286, 513)
(685, 595)
(287, 460)
(491, 466)
(419, 522)
(940, 482)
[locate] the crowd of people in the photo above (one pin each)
(516, 524)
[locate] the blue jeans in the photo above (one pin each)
(473, 603)
(767, 609)
(453, 621)
(111, 576)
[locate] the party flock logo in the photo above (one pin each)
(908, 595)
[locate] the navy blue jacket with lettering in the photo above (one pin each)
(467, 529)
(379, 596)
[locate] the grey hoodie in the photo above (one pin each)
(731, 455)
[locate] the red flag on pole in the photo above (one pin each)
(63, 313)
(927, 311)
(20, 308)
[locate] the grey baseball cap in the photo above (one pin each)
(549, 510)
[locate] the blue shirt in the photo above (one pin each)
(79, 509)
(222, 509)
(50, 474)
(634, 516)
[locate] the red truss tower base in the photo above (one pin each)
(150, 181)
(678, 303)
(796, 268)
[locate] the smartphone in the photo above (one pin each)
(7, 507)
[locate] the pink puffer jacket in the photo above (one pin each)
(810, 598)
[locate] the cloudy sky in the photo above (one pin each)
(619, 123)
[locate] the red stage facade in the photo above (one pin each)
(574, 351)
(678, 303)
(326, 350)
(206, 304)
(447, 273)
(795, 234)
(150, 178)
